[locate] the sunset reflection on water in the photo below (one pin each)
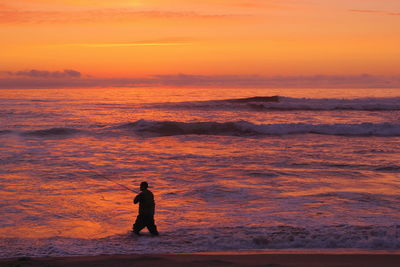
(55, 185)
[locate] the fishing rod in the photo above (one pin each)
(111, 180)
(121, 185)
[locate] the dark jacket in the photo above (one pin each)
(146, 202)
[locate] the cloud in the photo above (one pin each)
(365, 11)
(15, 15)
(40, 79)
(270, 4)
(44, 74)
(166, 42)
(375, 11)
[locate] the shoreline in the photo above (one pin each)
(272, 258)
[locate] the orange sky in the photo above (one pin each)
(122, 38)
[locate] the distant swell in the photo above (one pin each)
(393, 168)
(5, 132)
(243, 128)
(329, 104)
(280, 103)
(52, 132)
(167, 128)
(259, 99)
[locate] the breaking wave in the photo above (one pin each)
(280, 103)
(244, 128)
(185, 240)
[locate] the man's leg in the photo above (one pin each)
(151, 226)
(139, 224)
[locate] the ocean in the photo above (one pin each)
(231, 169)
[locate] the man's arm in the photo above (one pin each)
(137, 198)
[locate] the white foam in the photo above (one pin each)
(212, 239)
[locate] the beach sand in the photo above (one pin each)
(272, 259)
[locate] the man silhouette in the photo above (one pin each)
(146, 210)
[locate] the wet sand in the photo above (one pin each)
(271, 259)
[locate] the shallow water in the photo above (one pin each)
(318, 169)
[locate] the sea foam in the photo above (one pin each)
(186, 240)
